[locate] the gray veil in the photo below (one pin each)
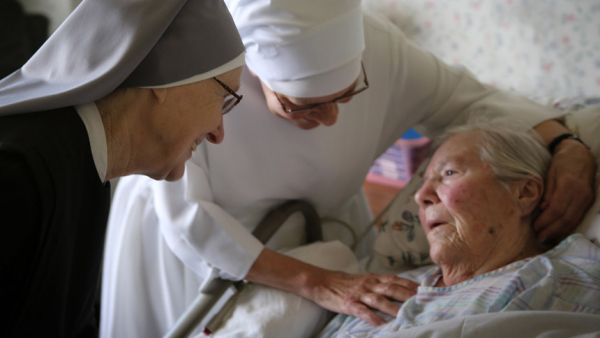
(107, 44)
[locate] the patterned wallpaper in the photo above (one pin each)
(539, 48)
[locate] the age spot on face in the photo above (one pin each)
(491, 231)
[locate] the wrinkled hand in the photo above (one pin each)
(358, 295)
(569, 191)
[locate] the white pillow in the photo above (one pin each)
(583, 118)
(262, 311)
(401, 243)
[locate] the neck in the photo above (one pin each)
(520, 246)
(119, 138)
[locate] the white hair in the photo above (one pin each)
(512, 151)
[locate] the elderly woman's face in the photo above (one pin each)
(464, 209)
(189, 114)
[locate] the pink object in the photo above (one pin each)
(395, 167)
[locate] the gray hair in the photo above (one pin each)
(512, 151)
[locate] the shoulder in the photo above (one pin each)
(385, 43)
(29, 129)
(19, 196)
(376, 25)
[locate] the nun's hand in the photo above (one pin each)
(357, 295)
(569, 191)
(360, 295)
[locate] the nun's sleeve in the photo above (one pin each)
(200, 232)
(431, 95)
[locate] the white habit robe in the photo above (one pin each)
(165, 239)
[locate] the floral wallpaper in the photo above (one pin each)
(541, 49)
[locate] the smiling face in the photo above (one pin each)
(466, 213)
(325, 115)
(186, 116)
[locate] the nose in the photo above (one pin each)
(426, 195)
(327, 115)
(216, 136)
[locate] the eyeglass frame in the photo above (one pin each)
(319, 104)
(226, 109)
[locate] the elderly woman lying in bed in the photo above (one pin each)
(477, 203)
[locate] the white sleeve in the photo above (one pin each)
(430, 95)
(200, 232)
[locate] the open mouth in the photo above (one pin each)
(434, 225)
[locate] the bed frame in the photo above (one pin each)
(210, 306)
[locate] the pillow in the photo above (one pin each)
(401, 243)
(583, 118)
(261, 311)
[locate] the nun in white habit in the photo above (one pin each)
(122, 87)
(308, 64)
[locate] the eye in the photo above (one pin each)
(449, 172)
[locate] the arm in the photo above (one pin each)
(336, 291)
(201, 233)
(20, 203)
(569, 184)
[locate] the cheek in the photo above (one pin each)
(469, 207)
(456, 196)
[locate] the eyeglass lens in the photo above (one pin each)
(362, 79)
(228, 105)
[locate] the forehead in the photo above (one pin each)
(319, 99)
(459, 149)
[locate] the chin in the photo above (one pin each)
(174, 175)
(306, 125)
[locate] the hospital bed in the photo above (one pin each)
(395, 250)
(212, 307)
(546, 50)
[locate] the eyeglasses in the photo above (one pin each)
(230, 102)
(315, 105)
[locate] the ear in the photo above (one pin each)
(528, 193)
(160, 94)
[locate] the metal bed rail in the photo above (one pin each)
(208, 308)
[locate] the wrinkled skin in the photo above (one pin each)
(474, 224)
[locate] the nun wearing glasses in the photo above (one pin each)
(123, 87)
(327, 89)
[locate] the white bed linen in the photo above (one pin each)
(262, 311)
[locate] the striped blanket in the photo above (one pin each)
(565, 278)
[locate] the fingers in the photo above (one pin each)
(564, 210)
(563, 218)
(380, 290)
(396, 288)
(569, 192)
(381, 303)
(361, 311)
(361, 295)
(549, 192)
